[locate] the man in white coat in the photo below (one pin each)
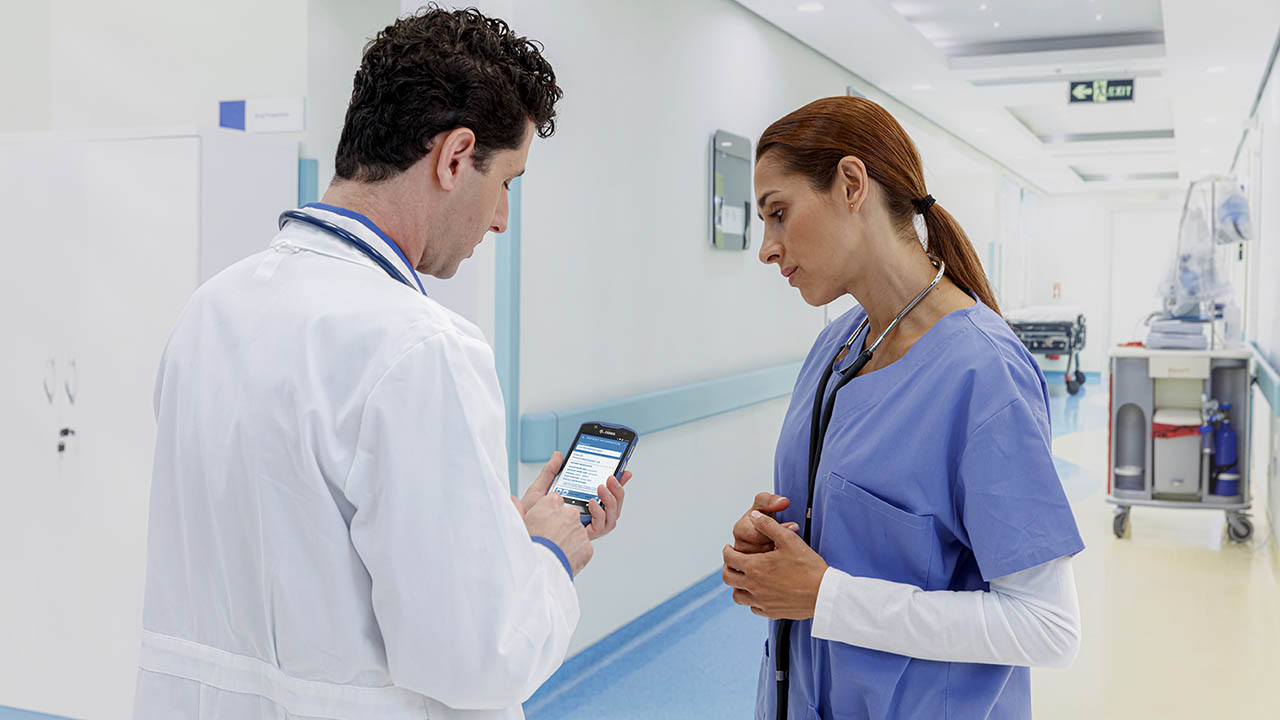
(330, 530)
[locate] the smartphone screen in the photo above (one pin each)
(597, 452)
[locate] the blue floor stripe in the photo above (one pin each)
(694, 656)
(698, 654)
(8, 713)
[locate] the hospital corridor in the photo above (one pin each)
(640, 359)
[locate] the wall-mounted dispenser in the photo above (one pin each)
(731, 201)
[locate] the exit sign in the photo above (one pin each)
(1102, 91)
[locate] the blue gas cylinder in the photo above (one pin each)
(1226, 445)
(1226, 453)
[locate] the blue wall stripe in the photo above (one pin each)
(8, 713)
(541, 434)
(308, 181)
(1268, 378)
(506, 323)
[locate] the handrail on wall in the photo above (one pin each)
(541, 434)
(1268, 378)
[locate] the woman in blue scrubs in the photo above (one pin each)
(938, 563)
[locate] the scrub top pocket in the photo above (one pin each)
(867, 537)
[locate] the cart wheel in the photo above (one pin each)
(1080, 378)
(1121, 522)
(1073, 386)
(1239, 528)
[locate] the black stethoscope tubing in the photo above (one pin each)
(819, 424)
(350, 238)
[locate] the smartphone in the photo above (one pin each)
(598, 451)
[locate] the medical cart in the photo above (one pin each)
(1053, 331)
(1166, 406)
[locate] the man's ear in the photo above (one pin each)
(457, 149)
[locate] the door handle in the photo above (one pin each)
(63, 434)
(51, 380)
(72, 384)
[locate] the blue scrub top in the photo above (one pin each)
(938, 472)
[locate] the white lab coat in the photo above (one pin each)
(331, 534)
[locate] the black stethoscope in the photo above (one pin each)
(354, 241)
(817, 437)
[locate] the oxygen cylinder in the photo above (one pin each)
(1226, 445)
(1226, 452)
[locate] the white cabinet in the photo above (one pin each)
(105, 238)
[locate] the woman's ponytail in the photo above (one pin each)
(948, 243)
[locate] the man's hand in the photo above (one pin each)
(747, 538)
(779, 584)
(604, 512)
(542, 485)
(558, 522)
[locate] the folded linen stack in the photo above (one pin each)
(1177, 335)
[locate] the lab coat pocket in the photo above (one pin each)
(868, 537)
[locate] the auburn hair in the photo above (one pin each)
(814, 139)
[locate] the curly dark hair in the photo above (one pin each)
(437, 71)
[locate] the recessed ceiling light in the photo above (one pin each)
(1098, 16)
(1205, 151)
(982, 130)
(983, 7)
(1210, 119)
(995, 24)
(922, 86)
(1216, 69)
(809, 7)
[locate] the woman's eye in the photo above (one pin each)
(776, 215)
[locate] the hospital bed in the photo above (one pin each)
(1053, 331)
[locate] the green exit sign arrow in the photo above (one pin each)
(1101, 91)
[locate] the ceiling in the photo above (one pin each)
(996, 73)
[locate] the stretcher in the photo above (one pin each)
(1053, 331)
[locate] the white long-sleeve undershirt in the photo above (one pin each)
(1027, 618)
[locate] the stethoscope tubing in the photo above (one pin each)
(351, 239)
(819, 423)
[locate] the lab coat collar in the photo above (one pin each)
(365, 229)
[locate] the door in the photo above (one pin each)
(101, 257)
(134, 273)
(42, 561)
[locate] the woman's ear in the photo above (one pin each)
(852, 182)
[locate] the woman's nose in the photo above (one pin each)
(770, 252)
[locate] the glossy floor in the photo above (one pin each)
(1178, 621)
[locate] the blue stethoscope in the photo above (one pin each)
(354, 241)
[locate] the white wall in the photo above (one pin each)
(1072, 246)
(159, 62)
(1260, 169)
(24, 84)
(139, 63)
(337, 31)
(621, 293)
(615, 213)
